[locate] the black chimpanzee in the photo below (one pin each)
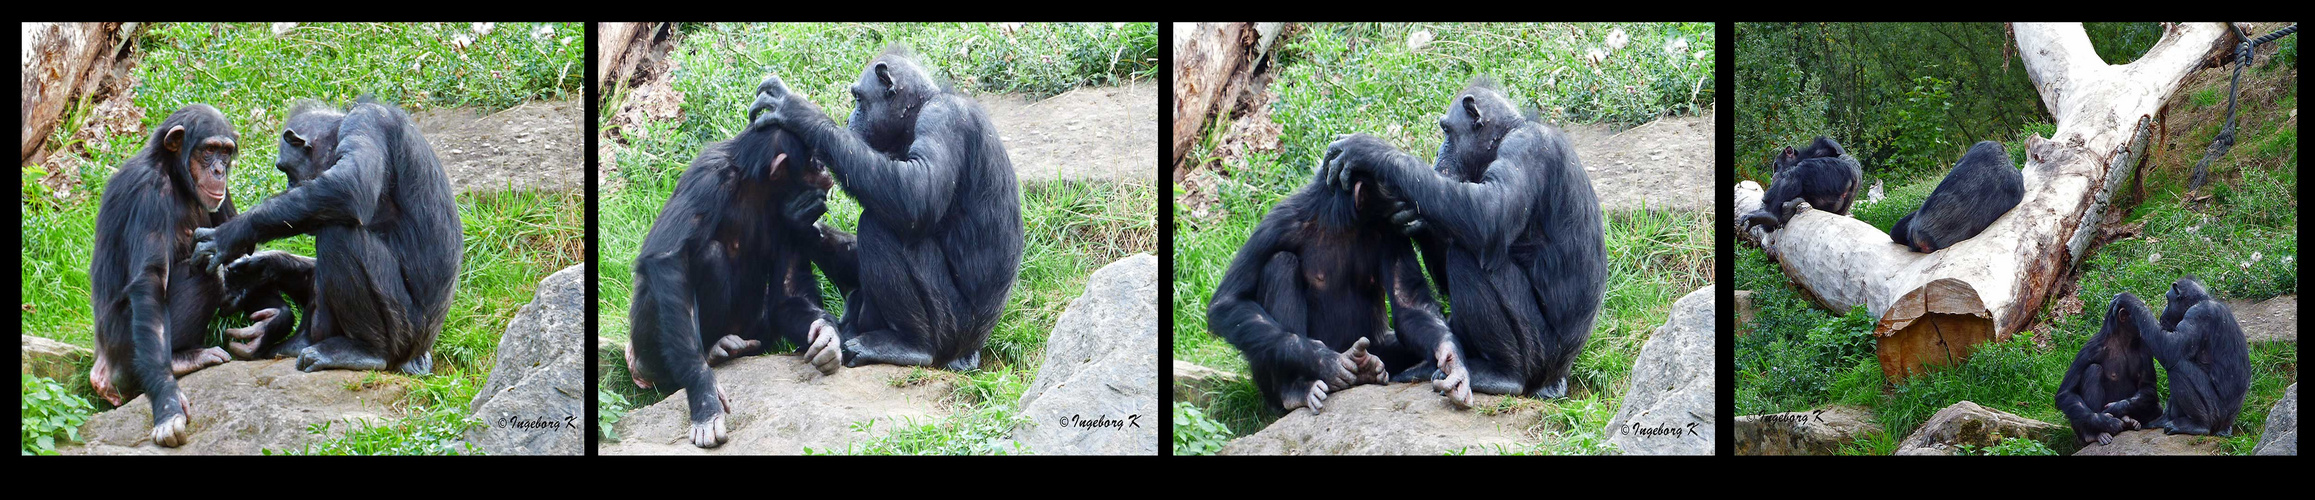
(1303, 299)
(2201, 346)
(727, 268)
(2110, 387)
(1512, 232)
(1821, 174)
(153, 305)
(1981, 187)
(940, 222)
(387, 245)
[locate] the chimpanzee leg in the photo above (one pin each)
(911, 316)
(368, 306)
(193, 300)
(668, 350)
(257, 284)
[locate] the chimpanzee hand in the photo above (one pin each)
(1350, 159)
(1335, 369)
(776, 105)
(1454, 379)
(211, 250)
(1298, 396)
(1367, 366)
(1407, 218)
(806, 208)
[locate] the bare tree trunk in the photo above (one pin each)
(62, 62)
(1934, 308)
(1212, 64)
(624, 50)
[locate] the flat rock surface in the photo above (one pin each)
(784, 406)
(244, 407)
(1091, 133)
(1396, 419)
(1816, 432)
(2154, 442)
(2271, 320)
(1667, 163)
(533, 146)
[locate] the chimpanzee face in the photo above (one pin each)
(308, 146)
(1474, 126)
(891, 90)
(201, 144)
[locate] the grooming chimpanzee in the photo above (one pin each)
(1821, 174)
(386, 234)
(153, 305)
(727, 268)
(1512, 232)
(1303, 299)
(940, 223)
(2110, 387)
(2201, 346)
(1982, 187)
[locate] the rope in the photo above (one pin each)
(2244, 53)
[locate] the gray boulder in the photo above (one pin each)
(1396, 419)
(247, 407)
(1198, 384)
(1816, 432)
(53, 359)
(2282, 434)
(2271, 320)
(535, 400)
(781, 405)
(1670, 406)
(1097, 392)
(2154, 442)
(1968, 423)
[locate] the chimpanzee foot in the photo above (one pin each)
(244, 345)
(729, 347)
(421, 365)
(193, 360)
(2130, 423)
(967, 363)
(1454, 380)
(100, 377)
(823, 352)
(174, 430)
(710, 432)
(1368, 367)
(632, 372)
(1313, 397)
(338, 354)
(1557, 389)
(2105, 439)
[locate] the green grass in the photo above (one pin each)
(1339, 79)
(512, 239)
(1073, 228)
(2242, 242)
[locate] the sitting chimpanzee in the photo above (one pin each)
(1512, 232)
(1303, 299)
(727, 268)
(153, 305)
(2110, 387)
(386, 234)
(940, 222)
(1981, 187)
(1821, 174)
(2202, 348)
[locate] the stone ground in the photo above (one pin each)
(246, 407)
(1667, 163)
(1396, 419)
(537, 145)
(1092, 133)
(784, 406)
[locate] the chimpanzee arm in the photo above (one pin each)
(347, 193)
(1474, 215)
(2070, 401)
(1236, 313)
(1415, 312)
(837, 254)
(912, 194)
(149, 338)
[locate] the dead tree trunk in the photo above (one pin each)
(1212, 64)
(1933, 309)
(623, 51)
(63, 62)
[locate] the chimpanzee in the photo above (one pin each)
(2201, 346)
(1982, 187)
(387, 245)
(1303, 299)
(152, 304)
(727, 268)
(2110, 387)
(1512, 231)
(1821, 173)
(940, 223)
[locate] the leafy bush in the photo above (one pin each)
(49, 410)
(609, 408)
(1195, 434)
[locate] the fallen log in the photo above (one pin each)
(1934, 308)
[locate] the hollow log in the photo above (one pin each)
(1934, 308)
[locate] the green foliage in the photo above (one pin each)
(2205, 98)
(2121, 43)
(2010, 446)
(2008, 376)
(429, 431)
(1918, 133)
(1196, 434)
(48, 411)
(981, 431)
(610, 406)
(1796, 355)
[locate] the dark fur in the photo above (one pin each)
(1981, 187)
(2202, 349)
(1821, 174)
(2112, 379)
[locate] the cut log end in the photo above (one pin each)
(1937, 325)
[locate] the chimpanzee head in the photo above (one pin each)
(885, 102)
(309, 141)
(776, 160)
(2183, 295)
(197, 143)
(1475, 125)
(1823, 147)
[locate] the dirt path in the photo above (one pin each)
(536, 145)
(1665, 163)
(1092, 133)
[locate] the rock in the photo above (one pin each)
(1744, 312)
(1967, 423)
(2273, 320)
(246, 407)
(56, 360)
(784, 406)
(1097, 392)
(1396, 419)
(1816, 432)
(1670, 406)
(491, 153)
(1199, 384)
(535, 400)
(2282, 434)
(2153, 442)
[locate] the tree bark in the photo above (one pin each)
(1934, 308)
(62, 63)
(1212, 65)
(623, 51)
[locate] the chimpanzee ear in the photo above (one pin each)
(1471, 105)
(291, 137)
(1789, 153)
(175, 140)
(884, 76)
(779, 162)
